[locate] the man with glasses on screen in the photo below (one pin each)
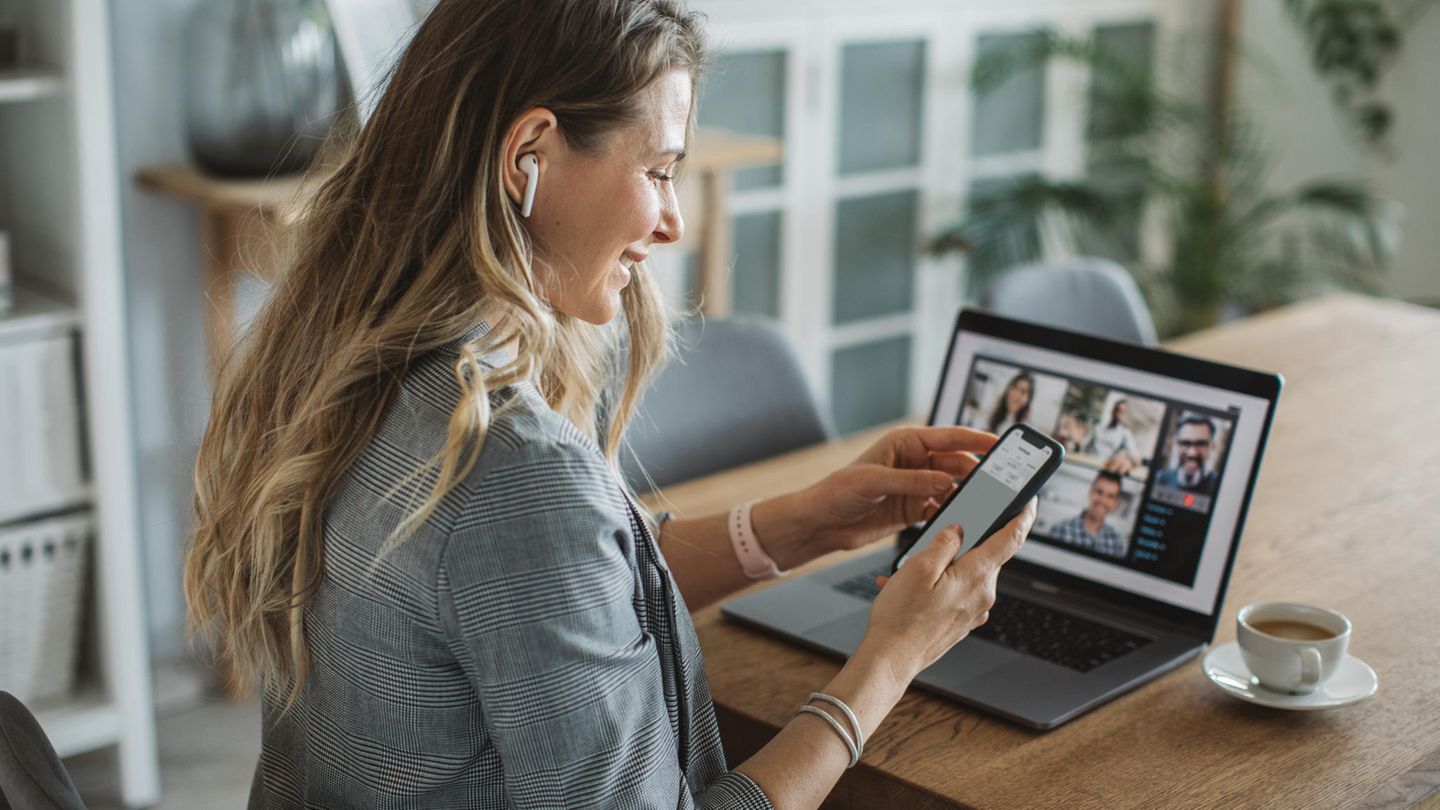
(1194, 437)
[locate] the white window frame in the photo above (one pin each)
(813, 35)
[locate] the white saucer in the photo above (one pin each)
(1352, 682)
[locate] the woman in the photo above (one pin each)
(408, 530)
(1013, 405)
(1113, 442)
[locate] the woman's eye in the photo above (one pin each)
(661, 177)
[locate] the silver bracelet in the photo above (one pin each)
(849, 715)
(839, 729)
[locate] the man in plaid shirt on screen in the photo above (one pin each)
(1088, 529)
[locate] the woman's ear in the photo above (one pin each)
(534, 133)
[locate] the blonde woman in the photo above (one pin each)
(410, 530)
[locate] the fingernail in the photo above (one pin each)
(941, 486)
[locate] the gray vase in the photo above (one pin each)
(263, 85)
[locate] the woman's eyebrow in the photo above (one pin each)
(677, 151)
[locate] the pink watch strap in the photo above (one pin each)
(754, 562)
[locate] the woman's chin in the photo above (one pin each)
(600, 312)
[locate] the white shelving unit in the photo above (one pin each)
(28, 84)
(37, 313)
(59, 199)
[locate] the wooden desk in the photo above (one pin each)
(239, 218)
(1346, 514)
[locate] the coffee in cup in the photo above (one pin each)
(1297, 631)
(1291, 648)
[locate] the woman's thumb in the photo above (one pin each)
(942, 550)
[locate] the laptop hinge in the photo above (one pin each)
(1094, 605)
(1044, 587)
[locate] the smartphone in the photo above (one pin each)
(996, 490)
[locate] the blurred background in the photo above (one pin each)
(863, 170)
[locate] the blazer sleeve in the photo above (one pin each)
(536, 591)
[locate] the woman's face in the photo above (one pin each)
(1017, 396)
(595, 216)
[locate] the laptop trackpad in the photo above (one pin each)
(966, 661)
(969, 659)
(842, 634)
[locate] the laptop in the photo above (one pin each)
(1124, 573)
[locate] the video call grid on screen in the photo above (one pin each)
(1145, 506)
(1246, 413)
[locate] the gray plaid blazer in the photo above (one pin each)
(526, 647)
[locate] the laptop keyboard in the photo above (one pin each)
(1031, 628)
(863, 585)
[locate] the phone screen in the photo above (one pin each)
(1004, 472)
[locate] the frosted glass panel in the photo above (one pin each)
(875, 245)
(1011, 116)
(869, 384)
(757, 264)
(1121, 241)
(881, 88)
(1009, 237)
(1132, 46)
(745, 92)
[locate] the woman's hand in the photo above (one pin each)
(901, 479)
(935, 600)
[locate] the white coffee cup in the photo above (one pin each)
(1287, 659)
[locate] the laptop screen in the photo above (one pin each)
(1157, 467)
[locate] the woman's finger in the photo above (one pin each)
(918, 511)
(957, 464)
(875, 481)
(911, 447)
(935, 560)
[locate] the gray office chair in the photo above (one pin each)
(734, 393)
(1083, 294)
(31, 774)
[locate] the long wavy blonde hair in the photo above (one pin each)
(408, 245)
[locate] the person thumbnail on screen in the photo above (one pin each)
(1088, 530)
(1079, 411)
(1196, 444)
(1000, 395)
(1093, 510)
(1125, 435)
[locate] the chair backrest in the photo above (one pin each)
(1083, 294)
(31, 774)
(734, 393)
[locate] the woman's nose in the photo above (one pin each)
(671, 226)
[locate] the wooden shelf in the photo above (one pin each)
(713, 150)
(81, 722)
(36, 313)
(82, 498)
(28, 84)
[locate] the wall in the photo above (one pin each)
(1280, 89)
(162, 268)
(1414, 178)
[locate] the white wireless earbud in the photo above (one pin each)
(531, 166)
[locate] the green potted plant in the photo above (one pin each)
(1232, 242)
